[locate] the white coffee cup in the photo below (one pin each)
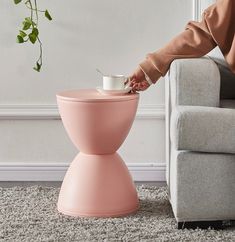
(115, 82)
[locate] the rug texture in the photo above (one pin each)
(29, 214)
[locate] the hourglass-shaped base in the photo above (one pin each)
(97, 183)
(98, 186)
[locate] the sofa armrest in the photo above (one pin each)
(194, 81)
(203, 129)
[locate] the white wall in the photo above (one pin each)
(113, 35)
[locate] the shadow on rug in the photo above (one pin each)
(29, 214)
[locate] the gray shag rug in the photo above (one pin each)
(29, 214)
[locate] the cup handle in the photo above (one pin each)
(128, 82)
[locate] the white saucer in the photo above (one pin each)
(113, 92)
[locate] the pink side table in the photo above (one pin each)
(97, 183)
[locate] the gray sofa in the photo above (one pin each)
(200, 142)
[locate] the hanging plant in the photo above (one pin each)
(29, 31)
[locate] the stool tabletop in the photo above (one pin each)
(92, 95)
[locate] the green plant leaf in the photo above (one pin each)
(29, 20)
(22, 34)
(33, 35)
(47, 15)
(19, 39)
(26, 25)
(37, 67)
(32, 38)
(17, 1)
(35, 32)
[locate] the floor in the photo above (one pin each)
(29, 213)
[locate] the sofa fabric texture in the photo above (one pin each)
(204, 129)
(195, 82)
(203, 185)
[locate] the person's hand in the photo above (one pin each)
(138, 81)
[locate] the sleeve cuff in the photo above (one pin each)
(150, 70)
(148, 80)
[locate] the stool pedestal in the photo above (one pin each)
(97, 185)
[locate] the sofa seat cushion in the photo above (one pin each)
(204, 129)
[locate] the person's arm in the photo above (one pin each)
(195, 41)
(198, 39)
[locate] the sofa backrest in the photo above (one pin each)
(227, 82)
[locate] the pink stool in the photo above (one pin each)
(97, 183)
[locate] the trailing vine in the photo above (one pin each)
(29, 31)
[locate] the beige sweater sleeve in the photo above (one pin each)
(196, 40)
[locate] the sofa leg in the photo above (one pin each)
(201, 224)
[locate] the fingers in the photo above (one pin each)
(140, 86)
